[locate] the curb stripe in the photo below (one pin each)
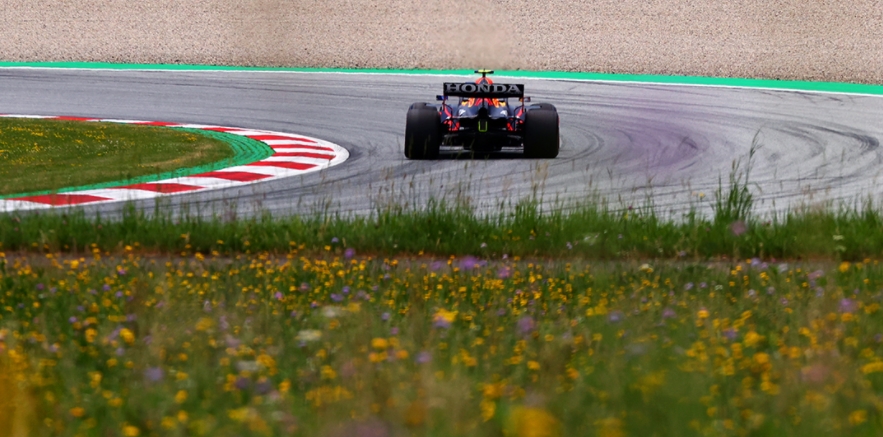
(165, 187)
(238, 176)
(296, 155)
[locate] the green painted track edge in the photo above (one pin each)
(833, 87)
(245, 150)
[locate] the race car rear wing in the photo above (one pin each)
(484, 90)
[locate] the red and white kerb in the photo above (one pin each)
(294, 155)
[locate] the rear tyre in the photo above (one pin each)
(541, 133)
(422, 133)
(547, 106)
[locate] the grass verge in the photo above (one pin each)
(589, 232)
(48, 155)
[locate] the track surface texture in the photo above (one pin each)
(629, 143)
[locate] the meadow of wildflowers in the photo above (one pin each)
(327, 341)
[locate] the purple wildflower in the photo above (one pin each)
(424, 357)
(526, 325)
(335, 240)
(242, 383)
(504, 273)
(231, 342)
(848, 306)
(394, 331)
(668, 313)
(336, 297)
(349, 253)
(615, 316)
(688, 286)
(263, 387)
(278, 295)
(441, 323)
(106, 287)
(40, 287)
(469, 263)
(153, 374)
(738, 227)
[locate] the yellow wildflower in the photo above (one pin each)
(535, 422)
(127, 335)
(874, 367)
(752, 338)
(858, 417)
(379, 343)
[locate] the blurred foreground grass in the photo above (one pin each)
(328, 342)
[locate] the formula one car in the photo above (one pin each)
(478, 117)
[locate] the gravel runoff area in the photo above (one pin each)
(832, 40)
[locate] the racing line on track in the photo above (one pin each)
(293, 155)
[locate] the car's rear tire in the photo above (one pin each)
(422, 133)
(541, 133)
(547, 106)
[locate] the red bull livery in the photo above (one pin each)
(478, 117)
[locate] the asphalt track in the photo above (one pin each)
(629, 144)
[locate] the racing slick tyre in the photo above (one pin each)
(541, 133)
(422, 133)
(547, 106)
